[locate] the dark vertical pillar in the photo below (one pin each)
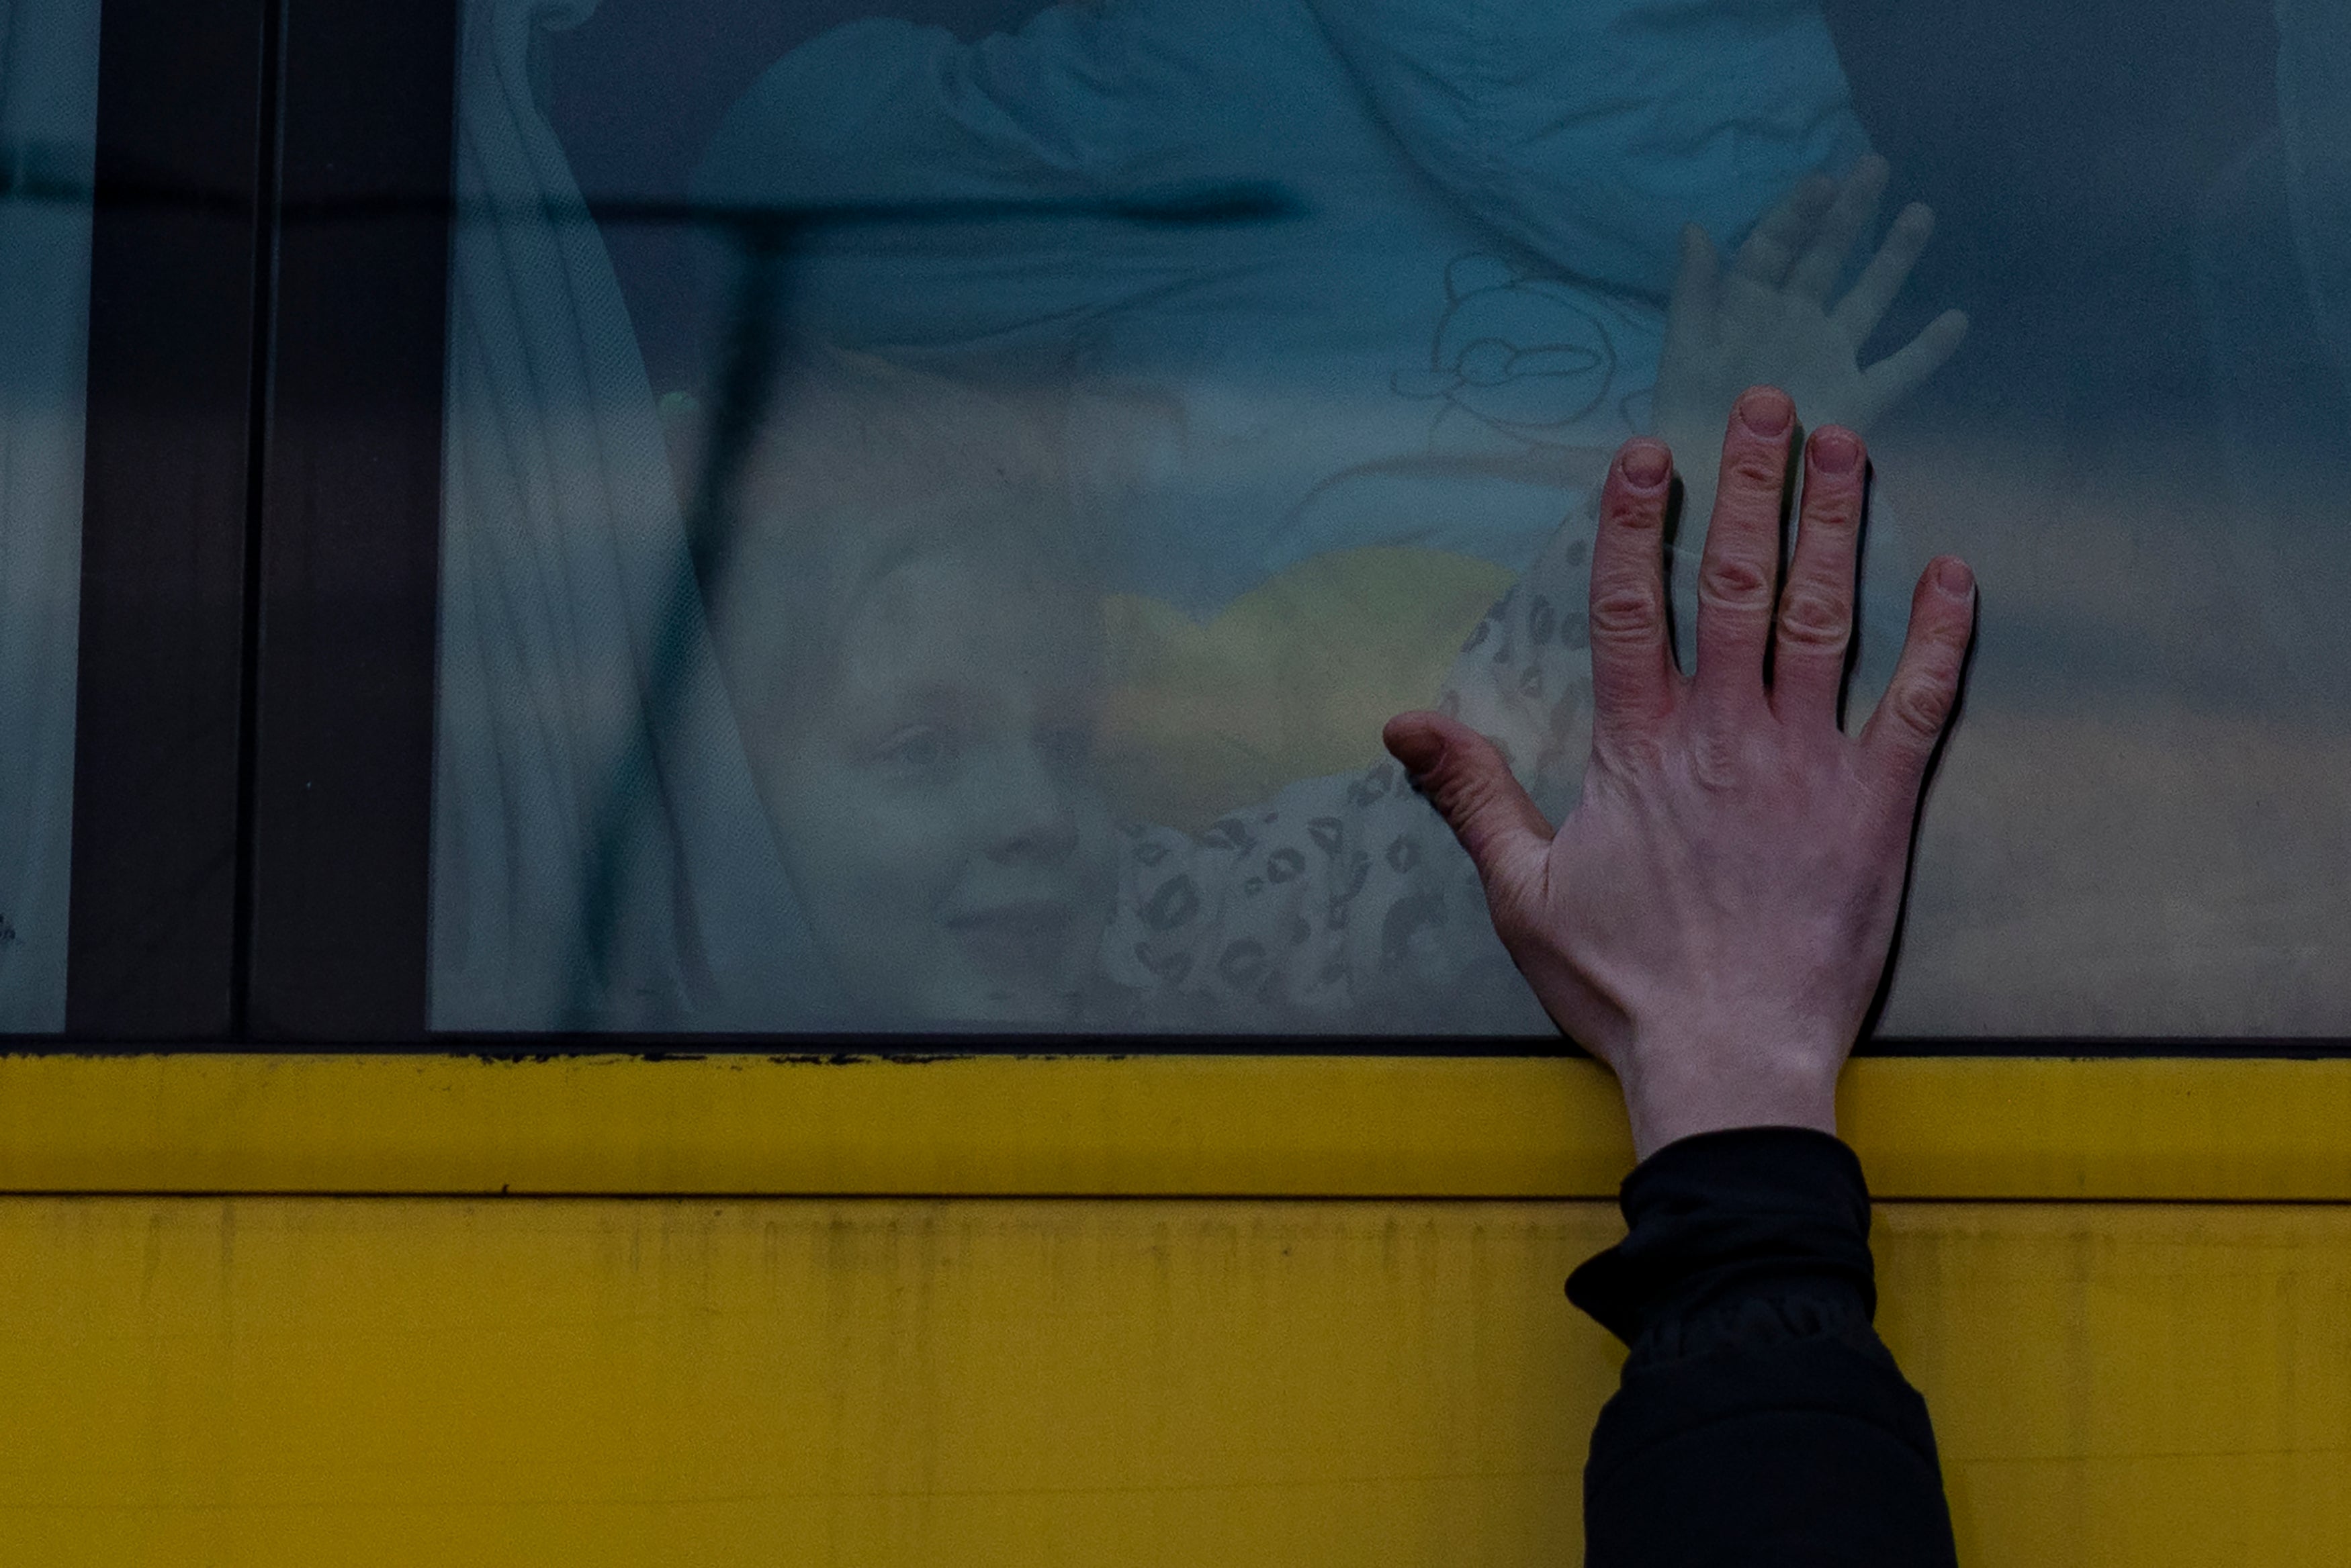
(178, 235)
(342, 768)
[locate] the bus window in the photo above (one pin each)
(938, 498)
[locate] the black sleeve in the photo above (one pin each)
(1760, 1420)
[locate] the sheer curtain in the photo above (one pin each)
(600, 858)
(48, 109)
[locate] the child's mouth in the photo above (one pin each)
(1025, 937)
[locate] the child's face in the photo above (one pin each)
(935, 805)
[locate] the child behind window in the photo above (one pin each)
(910, 627)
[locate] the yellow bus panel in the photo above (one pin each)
(1041, 1382)
(1216, 1311)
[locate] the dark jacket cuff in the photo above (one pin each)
(1724, 1224)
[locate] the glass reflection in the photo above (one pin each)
(48, 107)
(933, 531)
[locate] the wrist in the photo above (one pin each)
(1674, 1092)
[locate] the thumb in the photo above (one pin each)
(1466, 777)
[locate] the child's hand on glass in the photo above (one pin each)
(1766, 319)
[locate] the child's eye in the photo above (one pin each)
(917, 749)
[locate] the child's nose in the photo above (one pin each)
(1034, 810)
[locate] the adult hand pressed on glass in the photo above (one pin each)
(1713, 921)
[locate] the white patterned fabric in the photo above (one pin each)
(1345, 905)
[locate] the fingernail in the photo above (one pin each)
(1951, 575)
(1766, 411)
(1835, 450)
(1418, 749)
(1645, 464)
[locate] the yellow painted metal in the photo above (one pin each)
(272, 1381)
(276, 1380)
(893, 1344)
(2144, 1384)
(1198, 1126)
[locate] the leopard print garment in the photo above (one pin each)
(1345, 903)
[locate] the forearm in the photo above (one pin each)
(1761, 1419)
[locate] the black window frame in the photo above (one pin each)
(180, 237)
(347, 569)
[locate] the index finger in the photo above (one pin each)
(1632, 678)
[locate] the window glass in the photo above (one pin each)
(48, 102)
(939, 498)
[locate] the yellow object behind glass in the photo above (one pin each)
(1292, 681)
